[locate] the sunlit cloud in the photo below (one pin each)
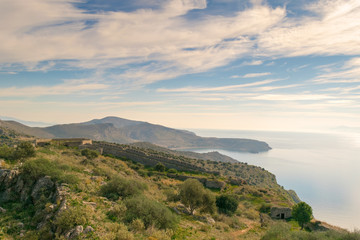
(216, 89)
(254, 75)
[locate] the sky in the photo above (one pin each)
(217, 64)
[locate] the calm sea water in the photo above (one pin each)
(324, 169)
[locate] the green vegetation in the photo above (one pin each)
(119, 198)
(89, 154)
(160, 167)
(302, 213)
(195, 196)
(122, 187)
(23, 151)
(38, 168)
(282, 231)
(227, 204)
(150, 212)
(71, 217)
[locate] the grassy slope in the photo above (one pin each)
(92, 174)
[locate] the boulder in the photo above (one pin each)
(75, 232)
(88, 229)
(44, 186)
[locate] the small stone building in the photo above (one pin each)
(280, 212)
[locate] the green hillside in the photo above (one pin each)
(71, 193)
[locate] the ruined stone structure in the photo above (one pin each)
(69, 142)
(280, 213)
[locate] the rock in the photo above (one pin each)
(183, 209)
(44, 186)
(20, 225)
(92, 204)
(73, 233)
(206, 219)
(2, 210)
(88, 229)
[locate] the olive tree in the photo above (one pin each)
(194, 196)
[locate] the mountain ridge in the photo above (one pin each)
(120, 130)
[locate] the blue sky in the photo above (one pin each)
(221, 64)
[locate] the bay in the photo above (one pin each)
(323, 168)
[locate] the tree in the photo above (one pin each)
(302, 213)
(227, 204)
(193, 195)
(24, 150)
(160, 167)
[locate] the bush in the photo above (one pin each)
(160, 167)
(6, 152)
(265, 208)
(71, 217)
(38, 168)
(24, 150)
(117, 212)
(121, 187)
(89, 154)
(172, 170)
(227, 204)
(150, 212)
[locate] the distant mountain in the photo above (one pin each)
(119, 130)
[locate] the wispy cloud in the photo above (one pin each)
(332, 30)
(217, 89)
(254, 75)
(61, 89)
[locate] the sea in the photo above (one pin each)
(323, 169)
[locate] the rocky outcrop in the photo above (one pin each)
(14, 187)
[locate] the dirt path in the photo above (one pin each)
(243, 231)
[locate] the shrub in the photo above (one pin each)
(160, 167)
(227, 204)
(172, 170)
(265, 208)
(150, 212)
(121, 187)
(38, 168)
(24, 150)
(71, 217)
(117, 212)
(89, 154)
(6, 152)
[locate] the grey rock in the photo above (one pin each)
(88, 229)
(75, 232)
(2, 210)
(43, 186)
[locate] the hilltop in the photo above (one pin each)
(119, 130)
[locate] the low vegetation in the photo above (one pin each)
(106, 197)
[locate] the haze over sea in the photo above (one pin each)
(322, 168)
